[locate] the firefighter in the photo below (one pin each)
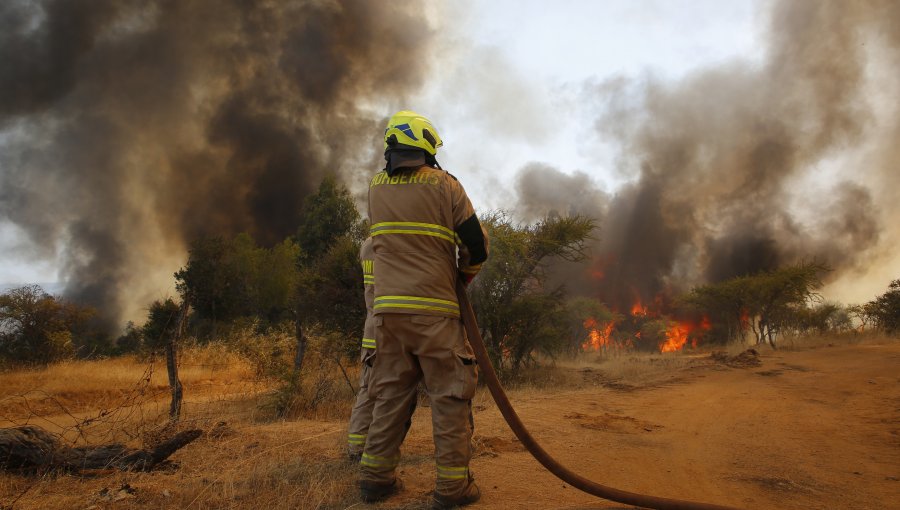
(421, 219)
(361, 416)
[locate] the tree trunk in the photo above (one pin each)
(301, 344)
(757, 330)
(172, 364)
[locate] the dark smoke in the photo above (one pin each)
(544, 190)
(130, 127)
(726, 163)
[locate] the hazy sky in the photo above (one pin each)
(514, 83)
(544, 57)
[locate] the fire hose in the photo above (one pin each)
(525, 437)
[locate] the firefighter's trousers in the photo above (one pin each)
(435, 349)
(361, 415)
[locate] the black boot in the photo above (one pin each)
(470, 495)
(372, 492)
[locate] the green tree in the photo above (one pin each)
(725, 305)
(227, 279)
(210, 281)
(767, 302)
(331, 294)
(517, 313)
(327, 215)
(329, 291)
(775, 296)
(313, 279)
(38, 327)
(865, 314)
(131, 340)
(822, 318)
(885, 309)
(161, 325)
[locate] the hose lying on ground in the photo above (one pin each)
(518, 428)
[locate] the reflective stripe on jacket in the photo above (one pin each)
(414, 217)
(366, 257)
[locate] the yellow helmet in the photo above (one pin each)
(413, 130)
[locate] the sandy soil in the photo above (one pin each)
(817, 428)
(813, 429)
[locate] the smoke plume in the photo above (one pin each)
(729, 165)
(129, 128)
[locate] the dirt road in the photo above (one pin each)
(817, 428)
(811, 429)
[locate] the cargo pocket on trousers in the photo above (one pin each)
(366, 372)
(466, 376)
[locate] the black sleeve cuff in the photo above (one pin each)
(470, 234)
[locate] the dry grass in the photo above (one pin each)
(799, 343)
(644, 368)
(251, 461)
(123, 399)
(281, 465)
(648, 369)
(256, 460)
(197, 365)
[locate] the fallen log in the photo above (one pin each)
(33, 449)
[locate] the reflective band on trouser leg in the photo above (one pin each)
(356, 439)
(452, 473)
(409, 227)
(374, 461)
(416, 302)
(368, 343)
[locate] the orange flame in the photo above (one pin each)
(638, 309)
(597, 338)
(676, 337)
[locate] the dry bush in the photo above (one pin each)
(269, 353)
(544, 375)
(644, 368)
(324, 389)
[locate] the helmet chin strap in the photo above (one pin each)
(431, 160)
(398, 157)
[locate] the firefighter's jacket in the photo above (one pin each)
(419, 217)
(367, 259)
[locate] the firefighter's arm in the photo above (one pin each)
(473, 239)
(467, 269)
